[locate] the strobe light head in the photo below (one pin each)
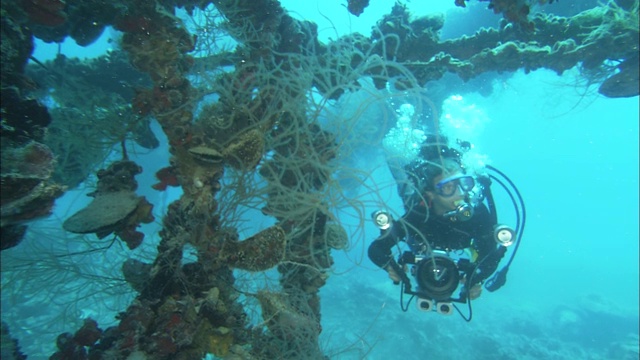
(504, 235)
(382, 219)
(444, 308)
(425, 304)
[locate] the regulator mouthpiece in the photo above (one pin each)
(463, 212)
(382, 219)
(504, 235)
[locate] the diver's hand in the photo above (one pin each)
(393, 274)
(474, 292)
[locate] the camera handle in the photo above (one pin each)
(403, 276)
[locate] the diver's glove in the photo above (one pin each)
(498, 279)
(472, 293)
(398, 274)
(394, 274)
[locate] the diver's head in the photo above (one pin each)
(449, 191)
(440, 178)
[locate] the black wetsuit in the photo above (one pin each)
(444, 234)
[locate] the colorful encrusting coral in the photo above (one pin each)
(260, 141)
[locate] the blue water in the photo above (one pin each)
(572, 291)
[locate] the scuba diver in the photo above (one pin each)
(451, 229)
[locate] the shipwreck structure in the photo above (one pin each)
(262, 131)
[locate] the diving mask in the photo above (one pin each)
(448, 187)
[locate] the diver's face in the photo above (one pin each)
(449, 194)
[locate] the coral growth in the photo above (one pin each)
(514, 11)
(73, 346)
(10, 348)
(336, 237)
(158, 47)
(245, 151)
(356, 7)
(27, 192)
(292, 324)
(45, 12)
(115, 207)
(167, 177)
(105, 211)
(257, 253)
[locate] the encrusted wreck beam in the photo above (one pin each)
(603, 41)
(591, 38)
(600, 40)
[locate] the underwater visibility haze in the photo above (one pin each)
(203, 179)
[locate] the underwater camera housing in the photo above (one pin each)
(438, 277)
